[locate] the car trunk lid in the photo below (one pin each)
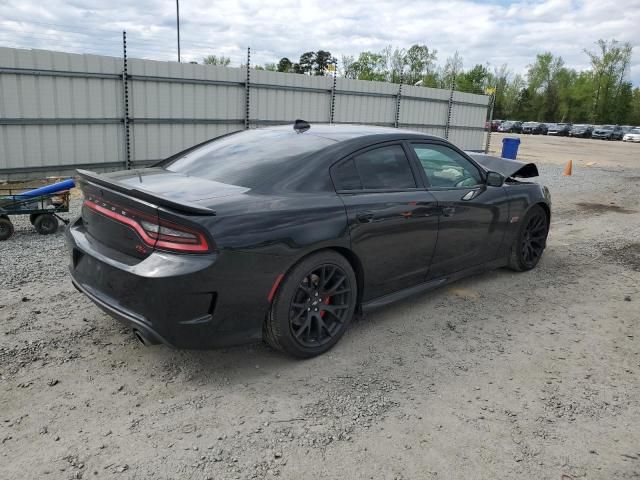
(135, 212)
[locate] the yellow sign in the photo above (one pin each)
(490, 90)
(331, 67)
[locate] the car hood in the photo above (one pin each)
(508, 168)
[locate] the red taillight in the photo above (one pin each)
(157, 234)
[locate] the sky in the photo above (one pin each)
(486, 32)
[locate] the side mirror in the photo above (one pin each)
(495, 179)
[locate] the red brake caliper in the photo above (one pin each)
(326, 301)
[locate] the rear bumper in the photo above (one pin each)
(184, 301)
(128, 318)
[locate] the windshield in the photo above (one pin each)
(635, 131)
(530, 124)
(606, 127)
(248, 158)
(580, 126)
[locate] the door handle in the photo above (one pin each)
(448, 211)
(364, 217)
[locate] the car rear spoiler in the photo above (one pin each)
(508, 168)
(156, 199)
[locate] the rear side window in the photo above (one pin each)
(384, 168)
(345, 176)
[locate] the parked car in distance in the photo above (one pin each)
(607, 132)
(494, 125)
(632, 135)
(559, 129)
(581, 131)
(534, 128)
(509, 126)
(284, 233)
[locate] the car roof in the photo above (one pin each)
(341, 132)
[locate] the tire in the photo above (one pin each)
(6, 228)
(46, 224)
(32, 218)
(531, 241)
(304, 320)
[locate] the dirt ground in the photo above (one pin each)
(503, 375)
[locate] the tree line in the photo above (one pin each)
(549, 91)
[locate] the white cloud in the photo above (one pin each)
(493, 32)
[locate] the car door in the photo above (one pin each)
(472, 215)
(392, 218)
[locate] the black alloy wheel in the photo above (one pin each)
(313, 305)
(531, 241)
(318, 308)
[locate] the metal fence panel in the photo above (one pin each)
(359, 101)
(60, 111)
(283, 97)
(467, 120)
(174, 106)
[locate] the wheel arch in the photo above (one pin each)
(547, 211)
(345, 252)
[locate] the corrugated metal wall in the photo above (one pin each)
(60, 111)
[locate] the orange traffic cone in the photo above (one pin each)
(568, 168)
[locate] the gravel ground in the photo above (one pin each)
(502, 375)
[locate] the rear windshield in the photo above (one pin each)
(248, 158)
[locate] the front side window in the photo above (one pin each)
(446, 168)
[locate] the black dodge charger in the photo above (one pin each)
(285, 233)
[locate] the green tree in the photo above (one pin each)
(368, 66)
(221, 61)
(285, 65)
(322, 61)
(452, 68)
(544, 77)
(610, 64)
(420, 62)
(634, 114)
(475, 80)
(306, 63)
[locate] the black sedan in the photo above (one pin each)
(510, 127)
(284, 234)
(559, 129)
(581, 131)
(534, 128)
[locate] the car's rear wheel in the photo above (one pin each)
(313, 306)
(531, 240)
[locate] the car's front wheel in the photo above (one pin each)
(313, 306)
(531, 241)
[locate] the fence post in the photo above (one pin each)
(332, 111)
(398, 100)
(492, 101)
(125, 103)
(449, 111)
(247, 91)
